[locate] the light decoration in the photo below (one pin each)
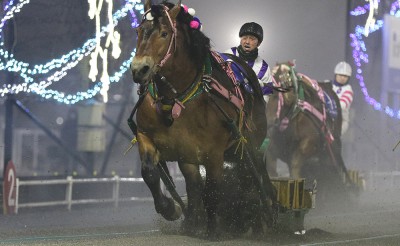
(113, 37)
(10, 10)
(360, 54)
(373, 8)
(57, 68)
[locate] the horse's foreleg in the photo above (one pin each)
(214, 170)
(149, 156)
(271, 162)
(195, 216)
(296, 166)
(305, 151)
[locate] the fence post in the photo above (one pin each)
(68, 192)
(370, 181)
(116, 191)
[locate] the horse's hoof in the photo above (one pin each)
(193, 226)
(176, 212)
(213, 236)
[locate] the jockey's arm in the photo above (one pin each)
(267, 78)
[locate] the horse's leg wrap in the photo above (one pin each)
(165, 206)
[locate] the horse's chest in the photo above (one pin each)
(151, 124)
(171, 140)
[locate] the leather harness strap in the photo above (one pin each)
(214, 84)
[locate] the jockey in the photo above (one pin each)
(344, 91)
(251, 36)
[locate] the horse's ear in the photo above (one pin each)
(147, 5)
(175, 11)
(275, 69)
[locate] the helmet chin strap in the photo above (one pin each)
(339, 84)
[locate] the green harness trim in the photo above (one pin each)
(299, 90)
(152, 90)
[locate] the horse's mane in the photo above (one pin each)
(198, 43)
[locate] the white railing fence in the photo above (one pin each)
(69, 186)
(374, 181)
(383, 181)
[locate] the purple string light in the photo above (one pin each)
(360, 55)
(133, 17)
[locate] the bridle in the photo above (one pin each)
(283, 84)
(176, 104)
(173, 38)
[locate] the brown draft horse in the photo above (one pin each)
(182, 118)
(298, 136)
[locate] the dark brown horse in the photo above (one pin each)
(191, 112)
(301, 130)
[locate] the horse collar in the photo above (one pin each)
(171, 108)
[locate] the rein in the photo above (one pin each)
(283, 123)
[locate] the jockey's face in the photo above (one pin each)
(341, 79)
(248, 42)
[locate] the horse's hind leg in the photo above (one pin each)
(164, 205)
(269, 208)
(195, 216)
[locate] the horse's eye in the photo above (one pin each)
(164, 34)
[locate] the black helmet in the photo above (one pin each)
(252, 28)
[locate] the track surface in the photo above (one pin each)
(375, 221)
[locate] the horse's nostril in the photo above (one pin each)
(140, 73)
(144, 70)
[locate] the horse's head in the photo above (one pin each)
(284, 74)
(281, 103)
(164, 42)
(155, 40)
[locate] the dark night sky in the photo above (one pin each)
(311, 31)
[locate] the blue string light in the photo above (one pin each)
(57, 68)
(360, 55)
